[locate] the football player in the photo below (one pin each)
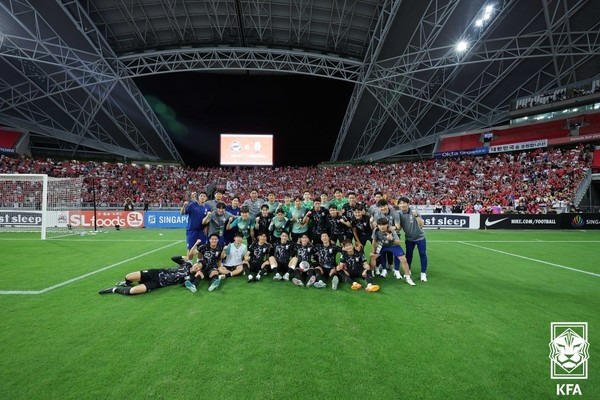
(353, 264)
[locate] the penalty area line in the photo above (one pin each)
(532, 259)
(80, 277)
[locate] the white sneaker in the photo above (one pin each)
(190, 286)
(277, 277)
(384, 272)
(258, 277)
(320, 285)
(250, 278)
(286, 276)
(377, 271)
(397, 274)
(311, 281)
(334, 282)
(423, 277)
(297, 282)
(409, 280)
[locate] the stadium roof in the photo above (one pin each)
(67, 66)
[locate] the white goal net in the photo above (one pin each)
(38, 203)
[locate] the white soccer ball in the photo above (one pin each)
(304, 266)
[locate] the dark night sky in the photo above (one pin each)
(303, 113)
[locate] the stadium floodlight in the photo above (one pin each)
(461, 46)
(479, 23)
(489, 9)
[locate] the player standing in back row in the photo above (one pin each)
(196, 211)
(412, 224)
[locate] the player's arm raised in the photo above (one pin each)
(207, 218)
(183, 207)
(194, 250)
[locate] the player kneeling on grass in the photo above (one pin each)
(386, 241)
(209, 258)
(150, 279)
(353, 264)
(257, 258)
(325, 254)
(303, 262)
(233, 257)
(281, 258)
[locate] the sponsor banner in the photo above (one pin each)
(13, 218)
(7, 150)
(165, 219)
(533, 144)
(520, 221)
(540, 221)
(451, 221)
(107, 219)
(580, 221)
(459, 153)
(575, 139)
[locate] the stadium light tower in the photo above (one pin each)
(461, 46)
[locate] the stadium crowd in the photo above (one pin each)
(531, 181)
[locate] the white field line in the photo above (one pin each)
(77, 278)
(538, 241)
(532, 259)
(88, 240)
(428, 241)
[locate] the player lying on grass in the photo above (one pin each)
(150, 279)
(209, 260)
(303, 263)
(386, 240)
(353, 264)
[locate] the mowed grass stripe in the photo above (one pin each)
(53, 262)
(478, 329)
(535, 260)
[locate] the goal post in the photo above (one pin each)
(38, 203)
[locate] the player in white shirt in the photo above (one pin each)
(233, 257)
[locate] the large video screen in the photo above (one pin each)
(238, 149)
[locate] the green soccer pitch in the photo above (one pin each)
(479, 329)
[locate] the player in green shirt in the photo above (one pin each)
(338, 199)
(287, 204)
(297, 215)
(324, 201)
(272, 203)
(278, 225)
(307, 202)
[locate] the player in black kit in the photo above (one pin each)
(318, 217)
(280, 260)
(303, 262)
(209, 258)
(361, 228)
(353, 264)
(150, 279)
(257, 258)
(325, 254)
